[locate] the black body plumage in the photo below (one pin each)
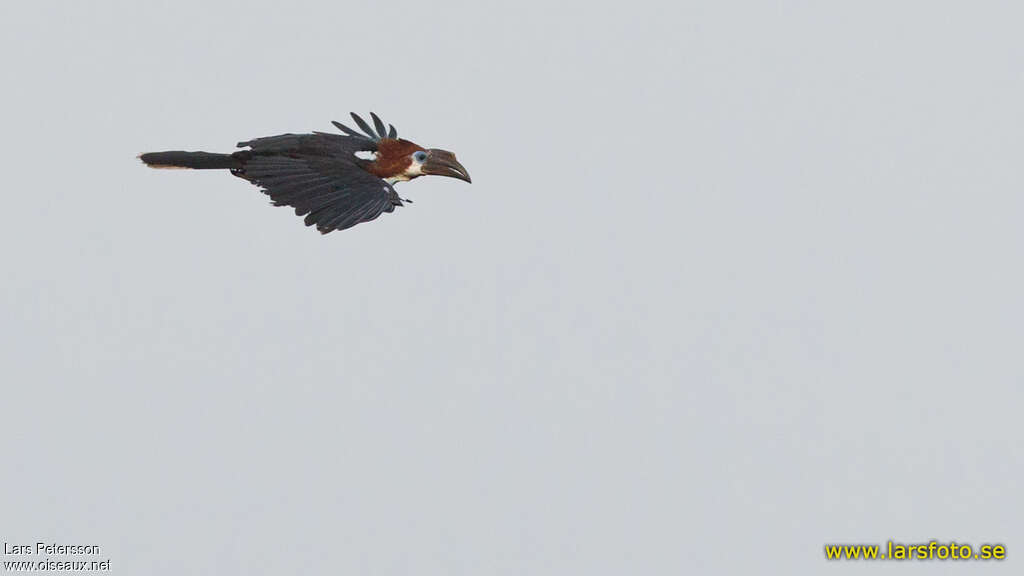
(318, 174)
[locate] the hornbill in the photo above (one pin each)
(336, 181)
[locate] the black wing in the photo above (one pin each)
(320, 175)
(315, 144)
(332, 192)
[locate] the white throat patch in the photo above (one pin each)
(414, 169)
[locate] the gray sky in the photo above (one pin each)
(732, 280)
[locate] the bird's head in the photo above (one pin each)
(396, 159)
(401, 160)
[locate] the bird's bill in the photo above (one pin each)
(443, 163)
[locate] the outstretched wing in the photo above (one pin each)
(320, 175)
(330, 191)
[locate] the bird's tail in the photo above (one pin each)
(196, 160)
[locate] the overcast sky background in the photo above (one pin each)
(733, 280)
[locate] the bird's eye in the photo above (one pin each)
(420, 156)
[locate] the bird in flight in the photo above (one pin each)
(336, 181)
